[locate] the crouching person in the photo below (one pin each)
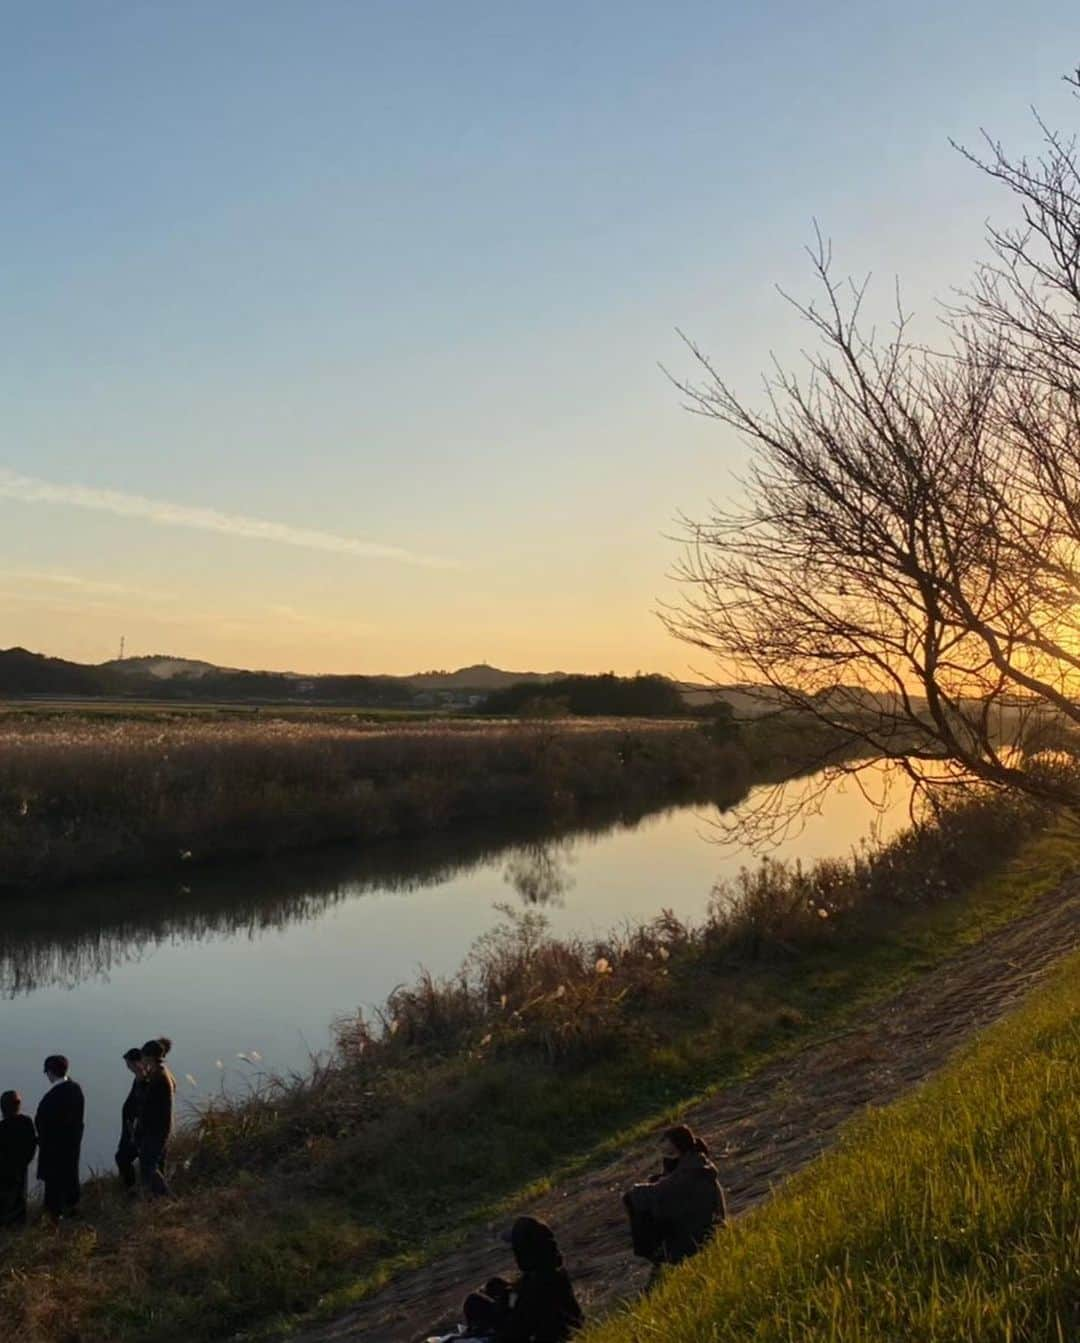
(539, 1306)
(676, 1212)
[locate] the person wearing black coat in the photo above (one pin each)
(18, 1143)
(127, 1150)
(156, 1117)
(59, 1120)
(544, 1308)
(674, 1214)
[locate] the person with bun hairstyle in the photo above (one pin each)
(155, 1118)
(127, 1150)
(676, 1212)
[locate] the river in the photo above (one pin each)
(247, 969)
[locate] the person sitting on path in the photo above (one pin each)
(675, 1213)
(127, 1150)
(18, 1143)
(542, 1307)
(59, 1120)
(156, 1118)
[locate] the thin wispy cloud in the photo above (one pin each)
(73, 594)
(76, 583)
(31, 490)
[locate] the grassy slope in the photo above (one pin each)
(243, 1251)
(951, 1215)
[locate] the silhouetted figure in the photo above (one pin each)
(59, 1121)
(675, 1213)
(155, 1118)
(18, 1143)
(543, 1308)
(481, 1318)
(127, 1150)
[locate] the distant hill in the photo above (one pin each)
(26, 673)
(481, 676)
(162, 668)
(162, 676)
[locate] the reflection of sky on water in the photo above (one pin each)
(264, 960)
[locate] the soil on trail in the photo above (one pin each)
(761, 1130)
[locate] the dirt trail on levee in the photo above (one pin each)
(761, 1130)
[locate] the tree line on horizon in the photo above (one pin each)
(26, 674)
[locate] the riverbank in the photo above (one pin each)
(86, 798)
(543, 1056)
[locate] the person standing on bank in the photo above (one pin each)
(59, 1120)
(18, 1143)
(156, 1117)
(127, 1151)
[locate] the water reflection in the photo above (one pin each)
(245, 968)
(61, 939)
(540, 872)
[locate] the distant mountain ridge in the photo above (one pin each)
(479, 676)
(163, 676)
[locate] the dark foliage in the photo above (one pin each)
(606, 696)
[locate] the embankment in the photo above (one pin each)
(471, 1096)
(951, 1215)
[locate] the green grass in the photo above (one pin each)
(339, 1187)
(952, 1215)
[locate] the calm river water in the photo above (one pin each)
(247, 970)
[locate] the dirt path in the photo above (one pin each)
(762, 1130)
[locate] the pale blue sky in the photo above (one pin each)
(402, 273)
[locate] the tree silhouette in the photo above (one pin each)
(905, 563)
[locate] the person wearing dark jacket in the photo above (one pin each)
(127, 1150)
(18, 1143)
(543, 1307)
(59, 1122)
(155, 1118)
(675, 1213)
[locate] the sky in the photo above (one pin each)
(332, 333)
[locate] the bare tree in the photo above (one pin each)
(905, 564)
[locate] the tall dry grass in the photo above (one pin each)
(99, 798)
(525, 995)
